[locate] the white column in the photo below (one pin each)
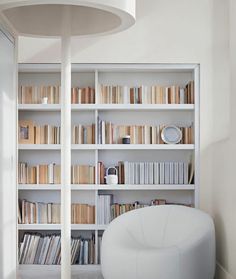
(66, 158)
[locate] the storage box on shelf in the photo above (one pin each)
(110, 102)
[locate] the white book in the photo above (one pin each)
(181, 172)
(162, 173)
(167, 173)
(156, 173)
(146, 173)
(126, 172)
(150, 178)
(51, 174)
(185, 173)
(171, 173)
(176, 173)
(85, 251)
(142, 173)
(181, 96)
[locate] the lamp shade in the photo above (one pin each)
(40, 18)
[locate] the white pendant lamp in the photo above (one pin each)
(66, 18)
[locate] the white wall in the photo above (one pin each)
(194, 31)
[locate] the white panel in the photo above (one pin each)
(8, 192)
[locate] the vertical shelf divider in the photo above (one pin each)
(66, 158)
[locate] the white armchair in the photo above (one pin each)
(162, 242)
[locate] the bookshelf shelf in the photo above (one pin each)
(132, 147)
(39, 146)
(39, 107)
(85, 117)
(123, 187)
(39, 227)
(125, 107)
(42, 187)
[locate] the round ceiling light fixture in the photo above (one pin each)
(86, 17)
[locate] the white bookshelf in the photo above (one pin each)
(92, 75)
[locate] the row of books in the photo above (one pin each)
(83, 134)
(29, 133)
(38, 212)
(154, 94)
(83, 95)
(29, 94)
(109, 133)
(150, 173)
(46, 250)
(107, 210)
(49, 213)
(39, 174)
(82, 214)
(82, 174)
(118, 209)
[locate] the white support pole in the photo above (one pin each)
(66, 158)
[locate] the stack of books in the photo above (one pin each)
(46, 250)
(82, 214)
(29, 94)
(83, 134)
(82, 174)
(38, 213)
(109, 133)
(155, 94)
(143, 173)
(39, 174)
(83, 95)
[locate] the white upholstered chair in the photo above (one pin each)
(159, 242)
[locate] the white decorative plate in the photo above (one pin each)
(171, 134)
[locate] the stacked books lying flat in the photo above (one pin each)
(40, 174)
(34, 94)
(30, 133)
(150, 173)
(107, 210)
(109, 133)
(46, 250)
(83, 95)
(82, 214)
(83, 134)
(155, 94)
(82, 174)
(38, 213)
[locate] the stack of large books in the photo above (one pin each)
(39, 174)
(143, 94)
(46, 250)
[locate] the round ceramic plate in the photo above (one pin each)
(171, 134)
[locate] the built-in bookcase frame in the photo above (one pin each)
(95, 109)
